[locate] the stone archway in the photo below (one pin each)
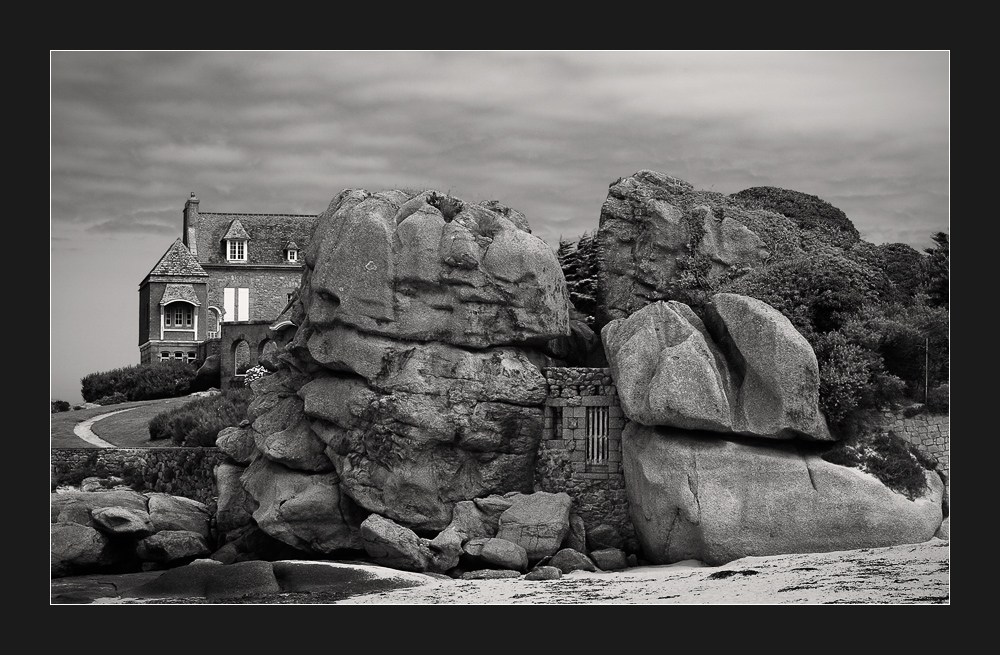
(242, 356)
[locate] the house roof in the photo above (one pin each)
(291, 245)
(236, 231)
(179, 292)
(267, 236)
(178, 260)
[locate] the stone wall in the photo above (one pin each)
(187, 472)
(582, 403)
(931, 433)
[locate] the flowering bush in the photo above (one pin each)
(254, 373)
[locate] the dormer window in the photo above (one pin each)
(292, 251)
(236, 242)
(237, 250)
(293, 255)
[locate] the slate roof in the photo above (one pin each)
(179, 292)
(236, 231)
(267, 236)
(178, 260)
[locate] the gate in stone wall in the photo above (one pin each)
(580, 451)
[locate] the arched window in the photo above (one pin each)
(178, 316)
(241, 357)
(267, 348)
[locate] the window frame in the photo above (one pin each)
(178, 315)
(236, 250)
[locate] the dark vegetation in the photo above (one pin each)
(140, 382)
(579, 263)
(198, 422)
(60, 406)
(897, 463)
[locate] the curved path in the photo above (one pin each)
(82, 429)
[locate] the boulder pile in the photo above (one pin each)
(719, 453)
(124, 531)
(412, 382)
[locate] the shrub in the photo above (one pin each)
(198, 422)
(59, 406)
(897, 464)
(169, 379)
(114, 399)
(254, 373)
(937, 399)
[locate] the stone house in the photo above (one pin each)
(227, 272)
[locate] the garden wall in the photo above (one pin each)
(187, 472)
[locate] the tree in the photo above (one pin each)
(937, 270)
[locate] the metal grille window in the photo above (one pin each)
(597, 435)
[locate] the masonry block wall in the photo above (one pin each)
(268, 289)
(188, 472)
(580, 450)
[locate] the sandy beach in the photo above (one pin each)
(908, 574)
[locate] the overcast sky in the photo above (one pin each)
(134, 133)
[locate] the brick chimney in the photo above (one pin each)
(190, 235)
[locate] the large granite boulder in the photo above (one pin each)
(412, 381)
(445, 425)
(304, 510)
(538, 522)
(748, 371)
(123, 521)
(172, 546)
(78, 506)
(695, 495)
(77, 548)
(167, 512)
(654, 230)
(432, 267)
(394, 545)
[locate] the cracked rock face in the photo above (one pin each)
(412, 382)
(747, 372)
(694, 495)
(433, 268)
(654, 226)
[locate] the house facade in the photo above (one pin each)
(226, 271)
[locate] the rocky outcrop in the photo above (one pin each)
(432, 267)
(124, 530)
(695, 495)
(412, 381)
(748, 371)
(655, 229)
(304, 510)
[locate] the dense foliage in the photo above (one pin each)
(198, 422)
(806, 210)
(169, 379)
(579, 263)
(59, 406)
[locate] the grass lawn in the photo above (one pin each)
(129, 429)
